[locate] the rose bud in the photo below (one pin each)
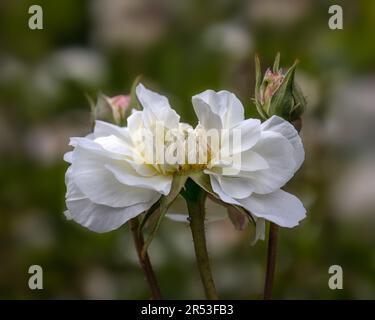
(277, 93)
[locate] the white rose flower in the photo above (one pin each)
(270, 152)
(111, 180)
(107, 181)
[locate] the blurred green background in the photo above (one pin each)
(182, 48)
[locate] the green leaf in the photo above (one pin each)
(165, 202)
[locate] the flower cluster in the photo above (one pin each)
(111, 180)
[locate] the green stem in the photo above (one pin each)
(144, 260)
(271, 261)
(195, 199)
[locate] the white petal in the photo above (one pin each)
(104, 129)
(207, 118)
(101, 218)
(100, 185)
(156, 108)
(277, 124)
(220, 192)
(278, 153)
(143, 169)
(280, 207)
(126, 174)
(249, 130)
(235, 187)
(94, 147)
(115, 145)
(135, 121)
(223, 104)
(252, 161)
(68, 157)
(235, 112)
(249, 162)
(98, 218)
(73, 141)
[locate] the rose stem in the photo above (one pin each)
(271, 261)
(145, 262)
(195, 199)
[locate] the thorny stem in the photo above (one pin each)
(195, 199)
(145, 261)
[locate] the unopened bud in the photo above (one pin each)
(112, 109)
(277, 93)
(119, 106)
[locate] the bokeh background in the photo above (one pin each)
(181, 48)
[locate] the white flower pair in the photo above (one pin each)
(107, 184)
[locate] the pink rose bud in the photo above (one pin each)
(271, 82)
(278, 93)
(119, 105)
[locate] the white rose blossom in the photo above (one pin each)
(107, 184)
(109, 180)
(271, 152)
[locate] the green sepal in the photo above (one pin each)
(134, 103)
(165, 202)
(283, 100)
(148, 214)
(276, 64)
(258, 78)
